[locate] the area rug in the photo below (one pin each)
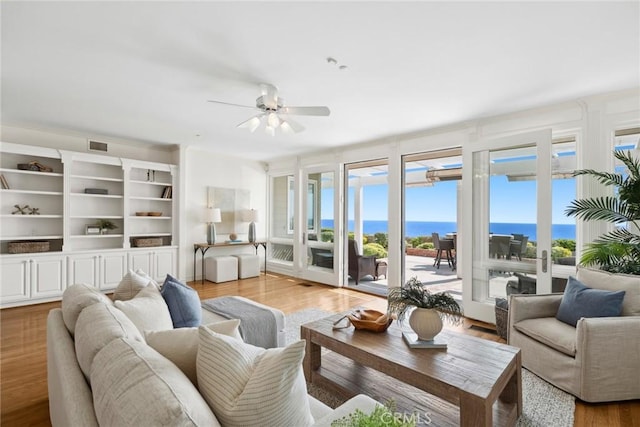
(543, 404)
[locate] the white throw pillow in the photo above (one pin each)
(181, 345)
(75, 299)
(130, 285)
(248, 386)
(147, 310)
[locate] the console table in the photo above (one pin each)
(204, 247)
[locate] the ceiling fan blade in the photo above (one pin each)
(290, 126)
(252, 123)
(306, 111)
(232, 104)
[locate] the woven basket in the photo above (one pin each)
(28, 247)
(147, 242)
(502, 318)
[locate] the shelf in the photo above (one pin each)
(163, 184)
(96, 178)
(106, 196)
(148, 217)
(150, 235)
(42, 193)
(52, 237)
(150, 198)
(95, 236)
(26, 172)
(96, 217)
(30, 216)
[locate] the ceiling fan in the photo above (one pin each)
(272, 109)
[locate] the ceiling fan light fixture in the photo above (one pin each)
(273, 120)
(270, 130)
(251, 124)
(284, 125)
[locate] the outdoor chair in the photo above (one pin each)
(518, 246)
(359, 265)
(500, 246)
(441, 246)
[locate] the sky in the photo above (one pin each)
(511, 202)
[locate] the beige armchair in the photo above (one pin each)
(599, 359)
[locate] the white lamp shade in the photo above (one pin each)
(214, 215)
(251, 215)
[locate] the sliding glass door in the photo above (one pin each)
(507, 187)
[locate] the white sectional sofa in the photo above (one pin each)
(101, 371)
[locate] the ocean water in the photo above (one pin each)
(425, 228)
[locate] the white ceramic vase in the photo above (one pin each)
(426, 323)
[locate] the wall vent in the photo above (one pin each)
(97, 146)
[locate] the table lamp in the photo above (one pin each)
(213, 216)
(252, 217)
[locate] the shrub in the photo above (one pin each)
(565, 243)
(382, 239)
(374, 249)
(426, 245)
(559, 252)
(531, 251)
(326, 236)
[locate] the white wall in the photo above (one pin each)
(201, 169)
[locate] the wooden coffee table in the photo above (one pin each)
(482, 378)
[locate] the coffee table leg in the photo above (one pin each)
(475, 411)
(312, 354)
(512, 392)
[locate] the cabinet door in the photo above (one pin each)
(48, 277)
(113, 266)
(142, 260)
(83, 269)
(15, 280)
(164, 263)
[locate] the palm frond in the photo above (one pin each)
(600, 208)
(605, 178)
(629, 160)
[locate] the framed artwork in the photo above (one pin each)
(92, 229)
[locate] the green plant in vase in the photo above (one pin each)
(106, 225)
(424, 309)
(381, 416)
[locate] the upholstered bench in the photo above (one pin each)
(221, 268)
(248, 265)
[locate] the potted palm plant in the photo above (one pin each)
(106, 225)
(619, 250)
(424, 309)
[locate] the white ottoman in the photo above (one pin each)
(221, 268)
(248, 265)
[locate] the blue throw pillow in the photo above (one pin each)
(580, 301)
(183, 302)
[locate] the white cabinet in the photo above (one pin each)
(48, 276)
(15, 284)
(32, 278)
(157, 262)
(102, 270)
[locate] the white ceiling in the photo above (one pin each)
(144, 70)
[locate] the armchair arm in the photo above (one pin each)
(609, 351)
(367, 261)
(532, 306)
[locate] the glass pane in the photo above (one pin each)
(281, 243)
(320, 205)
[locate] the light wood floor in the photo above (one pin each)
(23, 368)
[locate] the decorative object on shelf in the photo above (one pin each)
(423, 308)
(142, 213)
(3, 181)
(154, 213)
(106, 225)
(166, 193)
(28, 247)
(213, 216)
(151, 175)
(20, 210)
(146, 242)
(252, 216)
(34, 211)
(34, 166)
(96, 191)
(233, 237)
(92, 229)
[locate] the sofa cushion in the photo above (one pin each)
(247, 385)
(97, 326)
(581, 301)
(550, 331)
(134, 385)
(599, 279)
(75, 299)
(183, 302)
(130, 285)
(181, 345)
(147, 310)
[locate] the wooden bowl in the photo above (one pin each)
(370, 320)
(154, 213)
(141, 213)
